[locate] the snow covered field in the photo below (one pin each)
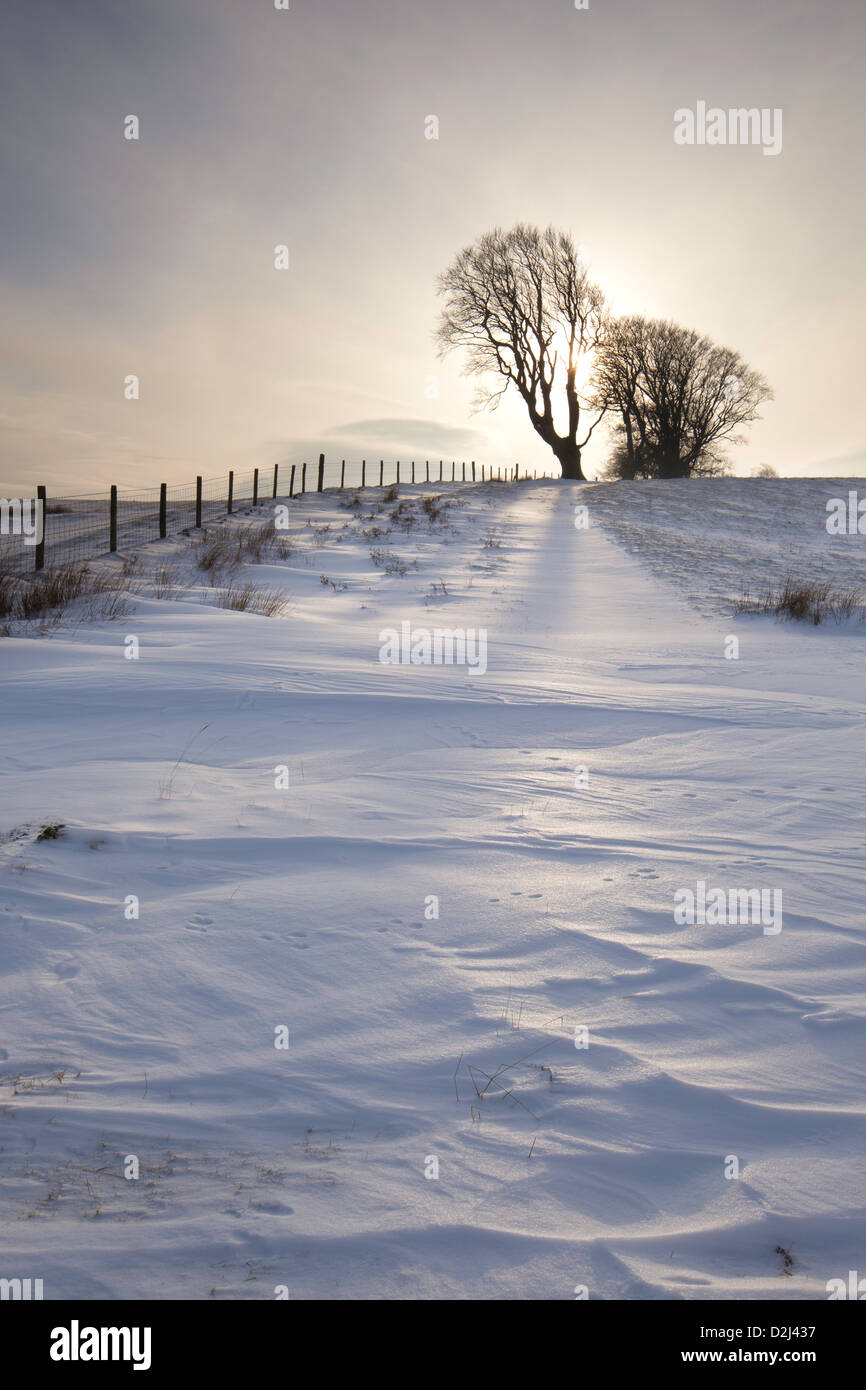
(718, 537)
(549, 809)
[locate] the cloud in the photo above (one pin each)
(391, 438)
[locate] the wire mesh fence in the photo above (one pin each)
(84, 527)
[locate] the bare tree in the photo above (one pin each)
(679, 398)
(522, 306)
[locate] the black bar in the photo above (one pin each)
(196, 1339)
(39, 557)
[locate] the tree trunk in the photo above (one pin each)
(569, 460)
(567, 451)
(670, 465)
(629, 440)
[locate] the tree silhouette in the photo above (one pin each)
(521, 305)
(679, 398)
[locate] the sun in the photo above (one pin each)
(585, 369)
(585, 361)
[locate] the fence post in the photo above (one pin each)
(398, 470)
(381, 470)
(343, 473)
(440, 470)
(162, 495)
(473, 470)
(231, 494)
(112, 518)
(198, 501)
(39, 556)
(413, 470)
(463, 466)
(453, 471)
(303, 477)
(292, 482)
(276, 471)
(255, 487)
(321, 482)
(363, 472)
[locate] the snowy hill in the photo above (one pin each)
(461, 908)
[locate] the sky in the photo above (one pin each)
(307, 128)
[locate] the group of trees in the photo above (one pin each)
(522, 306)
(677, 398)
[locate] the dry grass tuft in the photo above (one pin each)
(49, 593)
(252, 598)
(805, 601)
